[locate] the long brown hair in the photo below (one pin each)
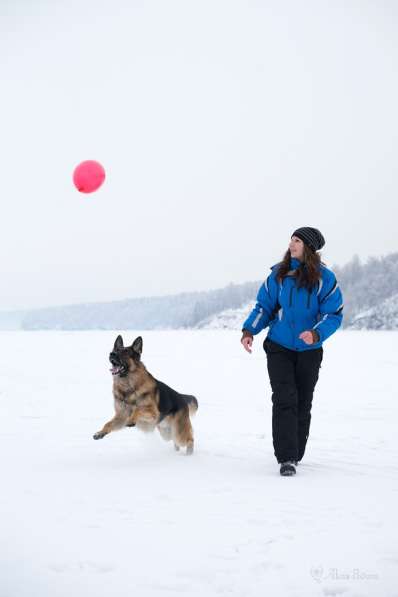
(309, 271)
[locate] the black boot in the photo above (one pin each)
(288, 468)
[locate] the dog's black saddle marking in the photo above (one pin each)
(170, 401)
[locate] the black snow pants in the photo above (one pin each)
(293, 376)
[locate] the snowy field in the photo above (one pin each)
(129, 516)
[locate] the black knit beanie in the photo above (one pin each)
(311, 237)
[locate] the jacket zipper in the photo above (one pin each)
(293, 326)
(308, 298)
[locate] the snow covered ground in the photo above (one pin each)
(128, 516)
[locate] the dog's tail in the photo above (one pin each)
(192, 404)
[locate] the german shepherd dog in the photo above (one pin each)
(143, 401)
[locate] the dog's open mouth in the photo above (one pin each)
(117, 369)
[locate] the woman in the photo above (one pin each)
(302, 304)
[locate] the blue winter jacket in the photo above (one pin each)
(289, 310)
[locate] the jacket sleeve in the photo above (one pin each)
(267, 299)
(330, 308)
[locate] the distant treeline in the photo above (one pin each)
(370, 286)
(365, 287)
(184, 310)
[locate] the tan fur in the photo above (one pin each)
(136, 401)
(192, 408)
(182, 430)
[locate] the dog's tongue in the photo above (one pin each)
(115, 369)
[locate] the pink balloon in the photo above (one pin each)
(88, 176)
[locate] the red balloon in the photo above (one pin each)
(88, 176)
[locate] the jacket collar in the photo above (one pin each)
(294, 263)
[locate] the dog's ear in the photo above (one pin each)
(137, 345)
(118, 343)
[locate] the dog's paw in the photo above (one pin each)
(99, 435)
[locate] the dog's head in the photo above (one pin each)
(125, 358)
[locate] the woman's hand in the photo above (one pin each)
(307, 337)
(247, 341)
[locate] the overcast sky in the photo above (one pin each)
(222, 126)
